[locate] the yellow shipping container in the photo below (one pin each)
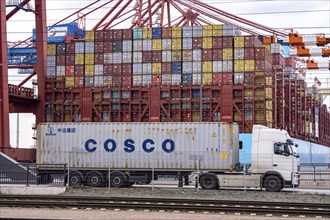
(269, 116)
(239, 41)
(268, 47)
(157, 44)
(67, 117)
(249, 65)
(237, 116)
(89, 35)
(156, 68)
(51, 49)
(176, 44)
(259, 80)
(227, 54)
(217, 30)
(259, 73)
(207, 42)
(69, 81)
(259, 92)
(206, 78)
(207, 31)
(147, 33)
(259, 104)
(269, 92)
(248, 92)
(89, 70)
(79, 58)
(259, 116)
(269, 80)
(89, 57)
(96, 96)
(239, 66)
(269, 105)
(196, 116)
(207, 66)
(176, 56)
(176, 32)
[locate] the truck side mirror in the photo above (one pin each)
(240, 145)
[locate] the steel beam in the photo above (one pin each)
(41, 66)
(4, 99)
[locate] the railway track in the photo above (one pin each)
(157, 204)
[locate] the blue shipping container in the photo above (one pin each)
(137, 33)
(176, 68)
(187, 78)
(156, 33)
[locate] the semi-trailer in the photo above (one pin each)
(140, 152)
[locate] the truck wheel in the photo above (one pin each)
(117, 180)
(75, 179)
(208, 182)
(273, 184)
(94, 179)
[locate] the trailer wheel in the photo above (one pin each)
(273, 184)
(208, 181)
(94, 179)
(75, 179)
(117, 180)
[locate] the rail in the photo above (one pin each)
(24, 92)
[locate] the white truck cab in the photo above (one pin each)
(274, 156)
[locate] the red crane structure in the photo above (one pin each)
(118, 13)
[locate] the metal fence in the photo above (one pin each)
(27, 174)
(315, 171)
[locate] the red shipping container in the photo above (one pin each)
(249, 53)
(127, 69)
(166, 68)
(99, 35)
(207, 54)
(146, 56)
(70, 47)
(217, 54)
(227, 42)
(167, 32)
(98, 47)
(79, 82)
(249, 78)
(98, 58)
(69, 59)
(260, 53)
(117, 69)
(278, 59)
(107, 46)
(117, 34)
(156, 80)
(79, 70)
(126, 81)
(127, 34)
(69, 71)
(252, 41)
(197, 43)
(262, 65)
(157, 56)
(217, 78)
(60, 60)
(227, 78)
(290, 62)
(108, 35)
(217, 42)
(107, 69)
(116, 80)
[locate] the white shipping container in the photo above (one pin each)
(117, 57)
(197, 55)
(89, 47)
(197, 31)
(107, 58)
(51, 60)
(51, 70)
(275, 48)
(127, 57)
(98, 81)
(197, 67)
(176, 79)
(127, 45)
(98, 70)
(217, 66)
(187, 43)
(166, 79)
(137, 68)
(79, 47)
(137, 45)
(238, 78)
(197, 79)
(147, 45)
(187, 31)
(137, 57)
(239, 53)
(187, 67)
(60, 70)
(137, 80)
(176, 146)
(166, 44)
(227, 66)
(166, 56)
(146, 68)
(146, 80)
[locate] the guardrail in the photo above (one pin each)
(20, 91)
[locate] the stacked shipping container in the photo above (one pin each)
(199, 73)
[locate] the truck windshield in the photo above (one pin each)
(294, 150)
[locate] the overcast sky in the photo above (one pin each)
(307, 17)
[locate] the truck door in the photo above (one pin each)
(283, 161)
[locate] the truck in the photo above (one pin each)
(123, 154)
